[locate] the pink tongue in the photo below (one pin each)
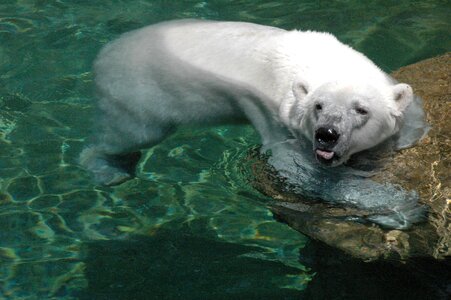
(325, 154)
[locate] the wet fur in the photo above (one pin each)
(154, 80)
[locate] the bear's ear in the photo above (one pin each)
(300, 89)
(402, 95)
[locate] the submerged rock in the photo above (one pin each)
(423, 168)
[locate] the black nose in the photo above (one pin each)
(326, 137)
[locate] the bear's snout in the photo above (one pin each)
(326, 137)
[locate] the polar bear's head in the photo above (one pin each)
(341, 119)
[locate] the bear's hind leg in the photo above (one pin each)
(113, 159)
(109, 169)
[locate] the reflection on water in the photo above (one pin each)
(178, 261)
(191, 195)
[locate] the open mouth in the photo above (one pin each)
(324, 156)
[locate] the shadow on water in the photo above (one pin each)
(180, 264)
(339, 276)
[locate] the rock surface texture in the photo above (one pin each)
(423, 168)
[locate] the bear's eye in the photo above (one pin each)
(318, 106)
(361, 111)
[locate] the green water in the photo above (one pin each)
(190, 227)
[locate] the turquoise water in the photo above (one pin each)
(190, 226)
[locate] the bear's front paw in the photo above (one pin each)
(402, 217)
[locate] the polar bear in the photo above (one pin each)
(287, 84)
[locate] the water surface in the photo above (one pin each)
(190, 226)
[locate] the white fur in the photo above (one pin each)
(155, 79)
